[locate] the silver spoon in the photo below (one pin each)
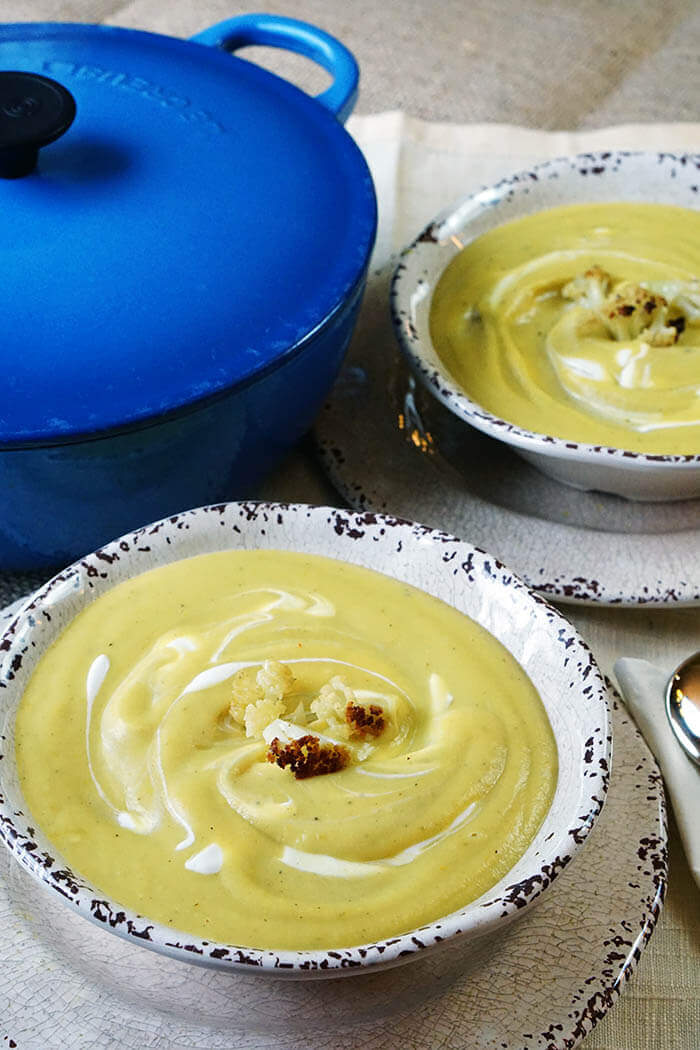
(683, 705)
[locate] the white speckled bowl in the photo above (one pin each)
(544, 643)
(662, 178)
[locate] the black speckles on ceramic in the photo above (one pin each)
(544, 643)
(663, 178)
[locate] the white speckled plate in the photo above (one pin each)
(388, 446)
(543, 983)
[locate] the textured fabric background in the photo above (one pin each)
(542, 64)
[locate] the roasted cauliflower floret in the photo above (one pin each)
(338, 707)
(632, 311)
(332, 700)
(275, 679)
(260, 696)
(589, 289)
(683, 299)
(245, 690)
(260, 714)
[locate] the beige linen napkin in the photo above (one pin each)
(644, 688)
(420, 167)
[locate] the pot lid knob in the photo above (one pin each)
(34, 111)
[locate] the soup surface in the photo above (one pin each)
(582, 322)
(172, 745)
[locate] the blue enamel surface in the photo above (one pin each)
(196, 227)
(62, 502)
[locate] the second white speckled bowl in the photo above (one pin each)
(662, 178)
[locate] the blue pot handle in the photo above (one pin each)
(305, 39)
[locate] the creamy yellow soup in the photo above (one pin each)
(147, 739)
(581, 322)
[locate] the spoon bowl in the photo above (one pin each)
(683, 705)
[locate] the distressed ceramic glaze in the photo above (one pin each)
(595, 177)
(541, 640)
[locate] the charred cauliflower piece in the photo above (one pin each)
(263, 694)
(337, 705)
(365, 721)
(630, 311)
(683, 299)
(589, 289)
(308, 756)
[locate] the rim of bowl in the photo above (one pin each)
(426, 363)
(90, 576)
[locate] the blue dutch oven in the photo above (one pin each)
(184, 241)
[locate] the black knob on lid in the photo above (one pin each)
(34, 111)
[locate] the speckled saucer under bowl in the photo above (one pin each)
(540, 638)
(661, 178)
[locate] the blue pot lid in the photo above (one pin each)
(198, 220)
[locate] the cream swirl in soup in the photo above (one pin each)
(280, 750)
(581, 322)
